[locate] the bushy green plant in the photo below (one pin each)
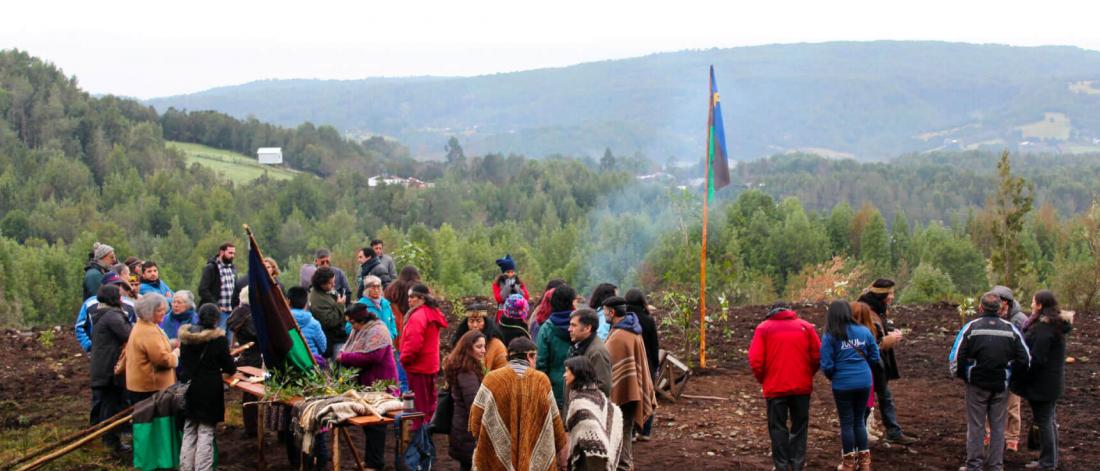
(928, 285)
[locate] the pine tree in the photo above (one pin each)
(1010, 205)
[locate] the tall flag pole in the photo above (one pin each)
(718, 176)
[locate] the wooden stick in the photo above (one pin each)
(336, 450)
(77, 444)
(237, 351)
(713, 398)
(354, 453)
(65, 440)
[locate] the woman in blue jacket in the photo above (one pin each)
(847, 349)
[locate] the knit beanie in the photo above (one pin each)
(515, 307)
(506, 264)
(101, 250)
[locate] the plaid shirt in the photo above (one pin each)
(229, 279)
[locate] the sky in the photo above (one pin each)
(150, 49)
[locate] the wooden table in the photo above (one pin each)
(238, 381)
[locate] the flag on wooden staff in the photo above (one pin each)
(281, 342)
(718, 176)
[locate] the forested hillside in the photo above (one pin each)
(76, 169)
(870, 100)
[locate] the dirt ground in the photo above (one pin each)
(44, 393)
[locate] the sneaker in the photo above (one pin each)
(645, 438)
(902, 439)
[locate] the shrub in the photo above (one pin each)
(928, 285)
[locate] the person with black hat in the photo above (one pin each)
(987, 352)
(879, 296)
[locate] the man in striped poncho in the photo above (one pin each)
(631, 384)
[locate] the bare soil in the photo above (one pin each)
(41, 384)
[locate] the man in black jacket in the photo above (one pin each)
(218, 281)
(986, 353)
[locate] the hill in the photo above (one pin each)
(237, 167)
(871, 100)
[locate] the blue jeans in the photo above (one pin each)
(886, 407)
(402, 380)
(850, 406)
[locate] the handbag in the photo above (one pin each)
(120, 365)
(444, 412)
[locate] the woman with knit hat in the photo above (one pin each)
(507, 283)
(479, 320)
(879, 296)
(513, 323)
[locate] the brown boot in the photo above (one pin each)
(847, 462)
(863, 460)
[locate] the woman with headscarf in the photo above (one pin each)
(204, 357)
(637, 303)
(464, 370)
(478, 319)
(370, 348)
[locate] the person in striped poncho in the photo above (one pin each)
(594, 424)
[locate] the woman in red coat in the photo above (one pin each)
(420, 348)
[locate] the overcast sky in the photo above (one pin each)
(148, 49)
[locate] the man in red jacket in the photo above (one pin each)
(784, 356)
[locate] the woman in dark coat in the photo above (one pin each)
(111, 331)
(1046, 378)
(204, 356)
(464, 370)
(637, 303)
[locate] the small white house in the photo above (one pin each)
(270, 155)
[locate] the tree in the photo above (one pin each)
(455, 155)
(874, 246)
(1011, 204)
(928, 285)
(607, 162)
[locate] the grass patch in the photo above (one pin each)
(18, 441)
(237, 167)
(1053, 126)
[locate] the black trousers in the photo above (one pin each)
(1044, 416)
(788, 443)
(375, 452)
(106, 402)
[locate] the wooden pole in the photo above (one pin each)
(65, 440)
(703, 285)
(354, 453)
(77, 444)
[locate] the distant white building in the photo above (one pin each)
(406, 182)
(270, 155)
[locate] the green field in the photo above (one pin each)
(237, 167)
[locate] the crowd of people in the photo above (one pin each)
(557, 382)
(1003, 355)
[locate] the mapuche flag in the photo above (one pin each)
(281, 342)
(718, 168)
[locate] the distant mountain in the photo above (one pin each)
(870, 100)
